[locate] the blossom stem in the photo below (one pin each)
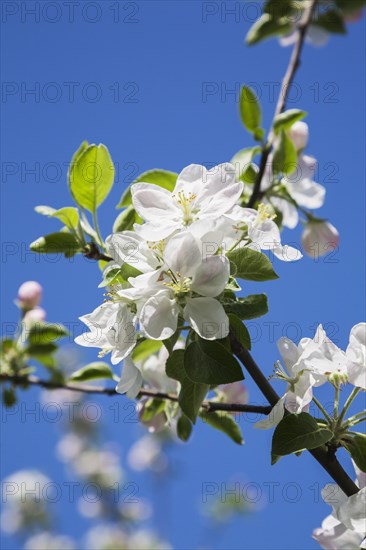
(336, 402)
(348, 403)
(96, 227)
(322, 409)
(293, 66)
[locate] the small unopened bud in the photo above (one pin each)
(36, 315)
(338, 379)
(299, 134)
(29, 295)
(319, 238)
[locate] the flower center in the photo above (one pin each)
(179, 284)
(265, 212)
(185, 202)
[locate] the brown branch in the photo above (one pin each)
(324, 456)
(92, 252)
(209, 406)
(288, 79)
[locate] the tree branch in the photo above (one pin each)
(325, 457)
(288, 79)
(209, 406)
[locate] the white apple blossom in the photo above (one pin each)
(356, 354)
(319, 238)
(198, 194)
(185, 280)
(299, 381)
(345, 528)
(112, 328)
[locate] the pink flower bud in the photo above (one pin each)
(299, 134)
(353, 16)
(36, 315)
(319, 238)
(29, 295)
(235, 393)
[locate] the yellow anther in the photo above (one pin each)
(265, 212)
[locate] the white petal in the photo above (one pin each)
(131, 379)
(183, 254)
(153, 203)
(289, 352)
(212, 276)
(207, 317)
(129, 248)
(159, 316)
(274, 417)
(287, 253)
(192, 179)
(157, 231)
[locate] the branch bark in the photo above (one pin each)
(209, 406)
(288, 79)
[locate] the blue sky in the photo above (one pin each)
(154, 82)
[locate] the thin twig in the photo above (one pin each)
(209, 406)
(288, 79)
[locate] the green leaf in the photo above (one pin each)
(55, 243)
(169, 343)
(250, 307)
(162, 178)
(224, 422)
(251, 265)
(208, 362)
(125, 220)
(239, 330)
(357, 449)
(92, 371)
(285, 120)
(152, 408)
(40, 350)
(45, 210)
(68, 215)
(184, 428)
(331, 21)
(284, 155)
(175, 365)
(297, 432)
(91, 176)
(250, 110)
(146, 348)
(9, 397)
(44, 333)
(267, 26)
(191, 394)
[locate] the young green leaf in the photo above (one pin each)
(251, 265)
(284, 155)
(267, 26)
(92, 371)
(125, 220)
(45, 210)
(331, 21)
(44, 333)
(224, 422)
(146, 348)
(285, 120)
(208, 362)
(91, 176)
(191, 396)
(152, 408)
(55, 243)
(69, 216)
(297, 432)
(250, 110)
(184, 428)
(162, 178)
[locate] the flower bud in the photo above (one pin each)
(353, 16)
(319, 238)
(36, 315)
(299, 134)
(235, 393)
(29, 295)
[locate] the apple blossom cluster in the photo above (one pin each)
(180, 262)
(312, 363)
